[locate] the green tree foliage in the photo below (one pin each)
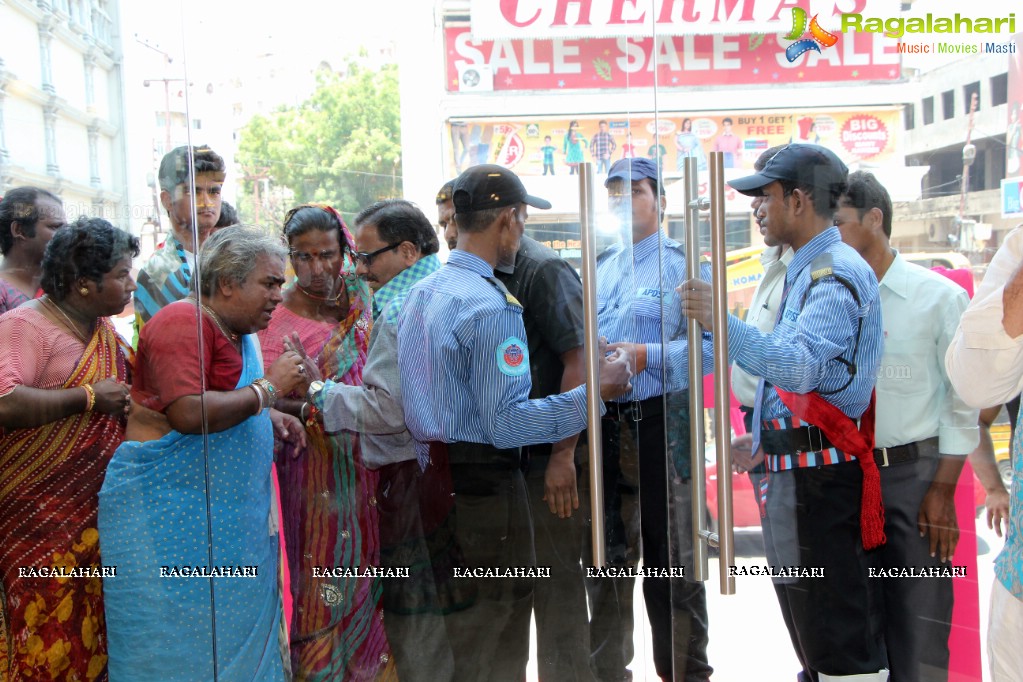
(341, 146)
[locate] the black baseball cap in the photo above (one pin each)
(491, 186)
(810, 165)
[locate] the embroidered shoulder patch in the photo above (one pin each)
(513, 357)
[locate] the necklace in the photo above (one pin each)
(74, 328)
(217, 321)
(329, 300)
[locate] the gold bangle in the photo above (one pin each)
(270, 389)
(90, 397)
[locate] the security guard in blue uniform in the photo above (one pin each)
(636, 297)
(464, 366)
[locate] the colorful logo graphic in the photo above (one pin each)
(513, 357)
(818, 36)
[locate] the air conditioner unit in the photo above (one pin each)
(942, 231)
(475, 78)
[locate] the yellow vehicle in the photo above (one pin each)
(744, 272)
(1001, 437)
(932, 259)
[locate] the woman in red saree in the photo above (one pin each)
(63, 399)
(329, 514)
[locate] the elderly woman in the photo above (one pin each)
(185, 510)
(29, 217)
(327, 491)
(63, 397)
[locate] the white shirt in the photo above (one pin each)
(920, 310)
(984, 363)
(762, 314)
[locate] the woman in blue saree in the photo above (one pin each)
(186, 511)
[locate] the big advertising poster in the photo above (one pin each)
(523, 144)
(666, 61)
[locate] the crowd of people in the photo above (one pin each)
(372, 466)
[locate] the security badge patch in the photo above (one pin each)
(513, 357)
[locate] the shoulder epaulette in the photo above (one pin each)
(499, 285)
(824, 266)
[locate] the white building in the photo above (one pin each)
(61, 102)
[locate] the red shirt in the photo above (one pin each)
(168, 359)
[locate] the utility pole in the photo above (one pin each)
(969, 154)
(257, 175)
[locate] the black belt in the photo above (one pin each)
(900, 454)
(482, 454)
(789, 441)
(635, 410)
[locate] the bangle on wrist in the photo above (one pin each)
(260, 397)
(90, 397)
(268, 388)
(303, 410)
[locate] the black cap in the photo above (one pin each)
(632, 169)
(809, 165)
(491, 186)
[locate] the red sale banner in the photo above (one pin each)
(675, 61)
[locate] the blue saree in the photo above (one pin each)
(154, 528)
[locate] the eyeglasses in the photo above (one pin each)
(306, 258)
(367, 258)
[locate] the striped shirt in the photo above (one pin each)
(801, 353)
(632, 296)
(464, 364)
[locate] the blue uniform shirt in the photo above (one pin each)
(464, 364)
(632, 294)
(800, 354)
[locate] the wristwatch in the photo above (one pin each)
(314, 388)
(316, 393)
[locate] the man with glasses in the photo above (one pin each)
(464, 367)
(397, 249)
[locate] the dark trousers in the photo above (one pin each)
(493, 528)
(635, 463)
(559, 602)
(416, 534)
(917, 612)
(813, 521)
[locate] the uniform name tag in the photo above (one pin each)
(648, 292)
(513, 357)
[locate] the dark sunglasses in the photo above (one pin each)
(367, 258)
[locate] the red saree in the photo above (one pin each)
(53, 627)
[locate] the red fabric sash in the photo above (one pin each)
(859, 442)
